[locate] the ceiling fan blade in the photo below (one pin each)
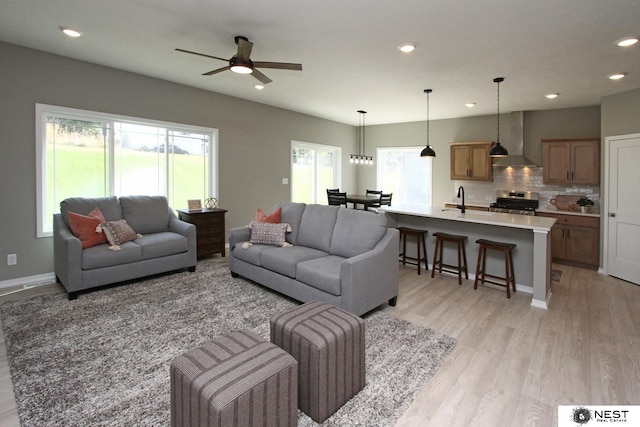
(201, 54)
(219, 70)
(244, 48)
(278, 65)
(258, 75)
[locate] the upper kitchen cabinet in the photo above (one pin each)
(470, 161)
(571, 161)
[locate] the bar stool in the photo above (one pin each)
(420, 238)
(459, 241)
(506, 249)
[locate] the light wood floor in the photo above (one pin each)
(513, 363)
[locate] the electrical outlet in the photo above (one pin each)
(12, 259)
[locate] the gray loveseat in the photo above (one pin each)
(345, 257)
(166, 243)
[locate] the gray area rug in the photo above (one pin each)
(104, 358)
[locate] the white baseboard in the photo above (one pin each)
(30, 281)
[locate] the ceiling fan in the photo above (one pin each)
(241, 62)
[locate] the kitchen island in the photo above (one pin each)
(531, 234)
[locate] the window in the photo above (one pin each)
(88, 154)
(314, 168)
(404, 173)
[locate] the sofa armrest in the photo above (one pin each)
(237, 235)
(187, 230)
(371, 278)
(67, 255)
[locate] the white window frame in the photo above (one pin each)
(337, 171)
(42, 110)
(398, 198)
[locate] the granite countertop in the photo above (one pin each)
(477, 217)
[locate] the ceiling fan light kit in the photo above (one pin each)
(241, 62)
(361, 158)
(498, 150)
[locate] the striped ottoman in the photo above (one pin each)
(328, 344)
(237, 379)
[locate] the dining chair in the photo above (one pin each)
(385, 199)
(331, 190)
(337, 199)
(375, 193)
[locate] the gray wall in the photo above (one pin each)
(254, 140)
(621, 113)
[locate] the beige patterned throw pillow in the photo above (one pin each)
(117, 233)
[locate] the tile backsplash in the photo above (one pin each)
(521, 179)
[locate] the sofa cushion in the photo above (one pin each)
(84, 227)
(156, 245)
(273, 217)
(118, 232)
(316, 226)
(100, 256)
(265, 233)
(285, 260)
(146, 214)
(292, 215)
(321, 273)
(109, 207)
(252, 254)
(357, 232)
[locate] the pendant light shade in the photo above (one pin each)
(498, 150)
(428, 151)
(361, 158)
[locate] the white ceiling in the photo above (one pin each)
(348, 49)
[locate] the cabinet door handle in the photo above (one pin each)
(612, 214)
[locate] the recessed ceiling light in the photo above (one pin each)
(551, 95)
(258, 86)
(407, 47)
(617, 76)
(70, 32)
(470, 104)
(627, 41)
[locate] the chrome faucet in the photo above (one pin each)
(461, 190)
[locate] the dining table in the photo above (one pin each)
(367, 200)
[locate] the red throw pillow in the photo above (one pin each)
(84, 227)
(274, 218)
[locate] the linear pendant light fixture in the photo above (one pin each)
(361, 158)
(498, 150)
(428, 151)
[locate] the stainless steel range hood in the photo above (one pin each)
(516, 155)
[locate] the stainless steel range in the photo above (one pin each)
(515, 202)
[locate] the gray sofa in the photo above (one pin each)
(166, 243)
(345, 257)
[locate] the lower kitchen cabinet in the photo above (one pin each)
(209, 229)
(575, 239)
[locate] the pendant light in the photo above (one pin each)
(498, 150)
(361, 158)
(428, 151)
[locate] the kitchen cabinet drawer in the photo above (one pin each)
(210, 229)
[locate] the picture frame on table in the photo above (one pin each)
(194, 204)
